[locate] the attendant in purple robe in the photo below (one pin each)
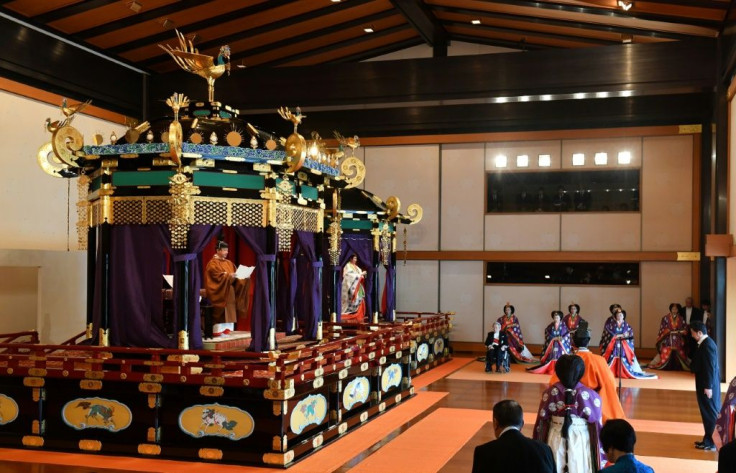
(510, 326)
(617, 346)
(569, 419)
(727, 416)
(572, 319)
(556, 344)
(672, 342)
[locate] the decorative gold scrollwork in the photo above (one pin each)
(49, 162)
(394, 205)
(353, 170)
(414, 212)
(296, 152)
(67, 141)
(182, 209)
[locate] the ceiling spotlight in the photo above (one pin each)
(167, 24)
(335, 1)
(369, 29)
(600, 159)
(624, 157)
(545, 160)
(475, 22)
(625, 5)
(501, 161)
(522, 161)
(578, 159)
(627, 38)
(135, 6)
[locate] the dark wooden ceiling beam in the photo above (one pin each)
(146, 15)
(424, 22)
(564, 7)
(335, 46)
(312, 35)
(74, 9)
(534, 34)
(564, 23)
(502, 43)
(200, 25)
(710, 4)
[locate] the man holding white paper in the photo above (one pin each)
(227, 290)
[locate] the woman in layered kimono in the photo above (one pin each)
(726, 422)
(353, 292)
(617, 346)
(672, 342)
(572, 319)
(556, 344)
(510, 326)
(569, 419)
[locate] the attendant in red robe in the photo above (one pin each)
(672, 342)
(227, 294)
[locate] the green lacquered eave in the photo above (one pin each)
(236, 181)
(309, 192)
(141, 178)
(348, 224)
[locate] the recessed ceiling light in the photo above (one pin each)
(546, 97)
(476, 22)
(335, 1)
(135, 6)
(369, 29)
(578, 159)
(624, 157)
(625, 5)
(601, 159)
(545, 160)
(522, 161)
(501, 161)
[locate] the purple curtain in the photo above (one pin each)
(362, 247)
(388, 290)
(284, 300)
(135, 288)
(309, 277)
(198, 238)
(262, 318)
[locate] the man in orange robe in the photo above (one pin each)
(227, 294)
(597, 376)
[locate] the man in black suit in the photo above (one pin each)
(707, 382)
(511, 451)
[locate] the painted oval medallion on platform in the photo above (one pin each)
(391, 377)
(96, 413)
(422, 352)
(8, 409)
(356, 392)
(439, 345)
(216, 420)
(310, 410)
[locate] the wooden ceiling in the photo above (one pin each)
(308, 32)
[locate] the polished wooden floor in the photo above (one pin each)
(643, 404)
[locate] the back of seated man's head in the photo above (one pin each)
(507, 413)
(618, 434)
(581, 337)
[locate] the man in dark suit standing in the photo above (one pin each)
(511, 451)
(707, 382)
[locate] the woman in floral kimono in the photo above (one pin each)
(617, 346)
(572, 319)
(510, 326)
(556, 344)
(726, 422)
(353, 292)
(671, 342)
(569, 419)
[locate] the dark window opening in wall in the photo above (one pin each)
(601, 274)
(563, 191)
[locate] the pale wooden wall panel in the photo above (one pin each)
(601, 231)
(523, 232)
(463, 199)
(461, 291)
(416, 286)
(667, 193)
(410, 173)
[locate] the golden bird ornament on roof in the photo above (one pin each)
(352, 143)
(190, 59)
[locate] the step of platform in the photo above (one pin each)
(231, 341)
